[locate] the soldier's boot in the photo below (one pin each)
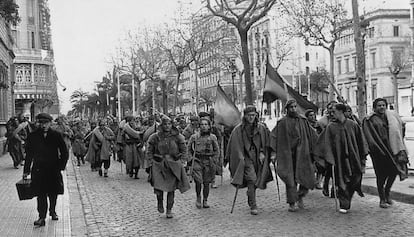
(206, 191)
(160, 205)
(79, 162)
(106, 173)
(387, 198)
(387, 189)
(136, 173)
(251, 199)
(381, 194)
(170, 204)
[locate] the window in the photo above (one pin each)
(396, 31)
(348, 94)
(371, 32)
(339, 67)
(307, 71)
(307, 56)
(373, 65)
(33, 40)
(355, 63)
(374, 91)
(347, 65)
(3, 92)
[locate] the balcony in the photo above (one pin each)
(34, 56)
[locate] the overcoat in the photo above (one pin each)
(304, 170)
(49, 156)
(237, 150)
(166, 151)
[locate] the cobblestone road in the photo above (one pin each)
(122, 206)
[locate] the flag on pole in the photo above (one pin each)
(276, 88)
(225, 112)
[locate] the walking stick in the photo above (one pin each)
(222, 159)
(192, 164)
(334, 186)
(277, 182)
(234, 199)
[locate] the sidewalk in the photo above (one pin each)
(17, 216)
(400, 191)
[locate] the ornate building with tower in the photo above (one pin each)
(35, 75)
(6, 79)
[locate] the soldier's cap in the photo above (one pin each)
(289, 103)
(165, 118)
(308, 111)
(249, 109)
(44, 117)
(203, 114)
(194, 118)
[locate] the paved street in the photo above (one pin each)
(121, 206)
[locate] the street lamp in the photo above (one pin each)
(233, 70)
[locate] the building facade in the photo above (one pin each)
(386, 37)
(215, 64)
(6, 79)
(35, 88)
(289, 55)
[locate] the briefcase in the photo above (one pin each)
(24, 189)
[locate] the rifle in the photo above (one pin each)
(192, 164)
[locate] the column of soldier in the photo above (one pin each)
(306, 153)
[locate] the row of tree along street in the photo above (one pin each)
(150, 61)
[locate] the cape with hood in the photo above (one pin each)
(238, 150)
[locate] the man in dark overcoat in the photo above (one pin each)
(47, 151)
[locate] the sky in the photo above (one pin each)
(85, 34)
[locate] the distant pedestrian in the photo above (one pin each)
(78, 144)
(99, 151)
(248, 154)
(16, 136)
(293, 140)
(191, 128)
(204, 151)
(166, 151)
(47, 151)
(131, 138)
(343, 145)
(384, 132)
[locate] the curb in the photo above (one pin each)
(397, 196)
(77, 217)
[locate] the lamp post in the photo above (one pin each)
(233, 71)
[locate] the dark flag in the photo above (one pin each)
(276, 88)
(225, 112)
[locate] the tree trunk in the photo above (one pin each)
(176, 93)
(246, 64)
(360, 72)
(196, 88)
(395, 85)
(138, 97)
(154, 97)
(332, 74)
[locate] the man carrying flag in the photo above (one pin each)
(248, 156)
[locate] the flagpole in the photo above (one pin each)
(119, 95)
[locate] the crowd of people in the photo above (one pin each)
(175, 150)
